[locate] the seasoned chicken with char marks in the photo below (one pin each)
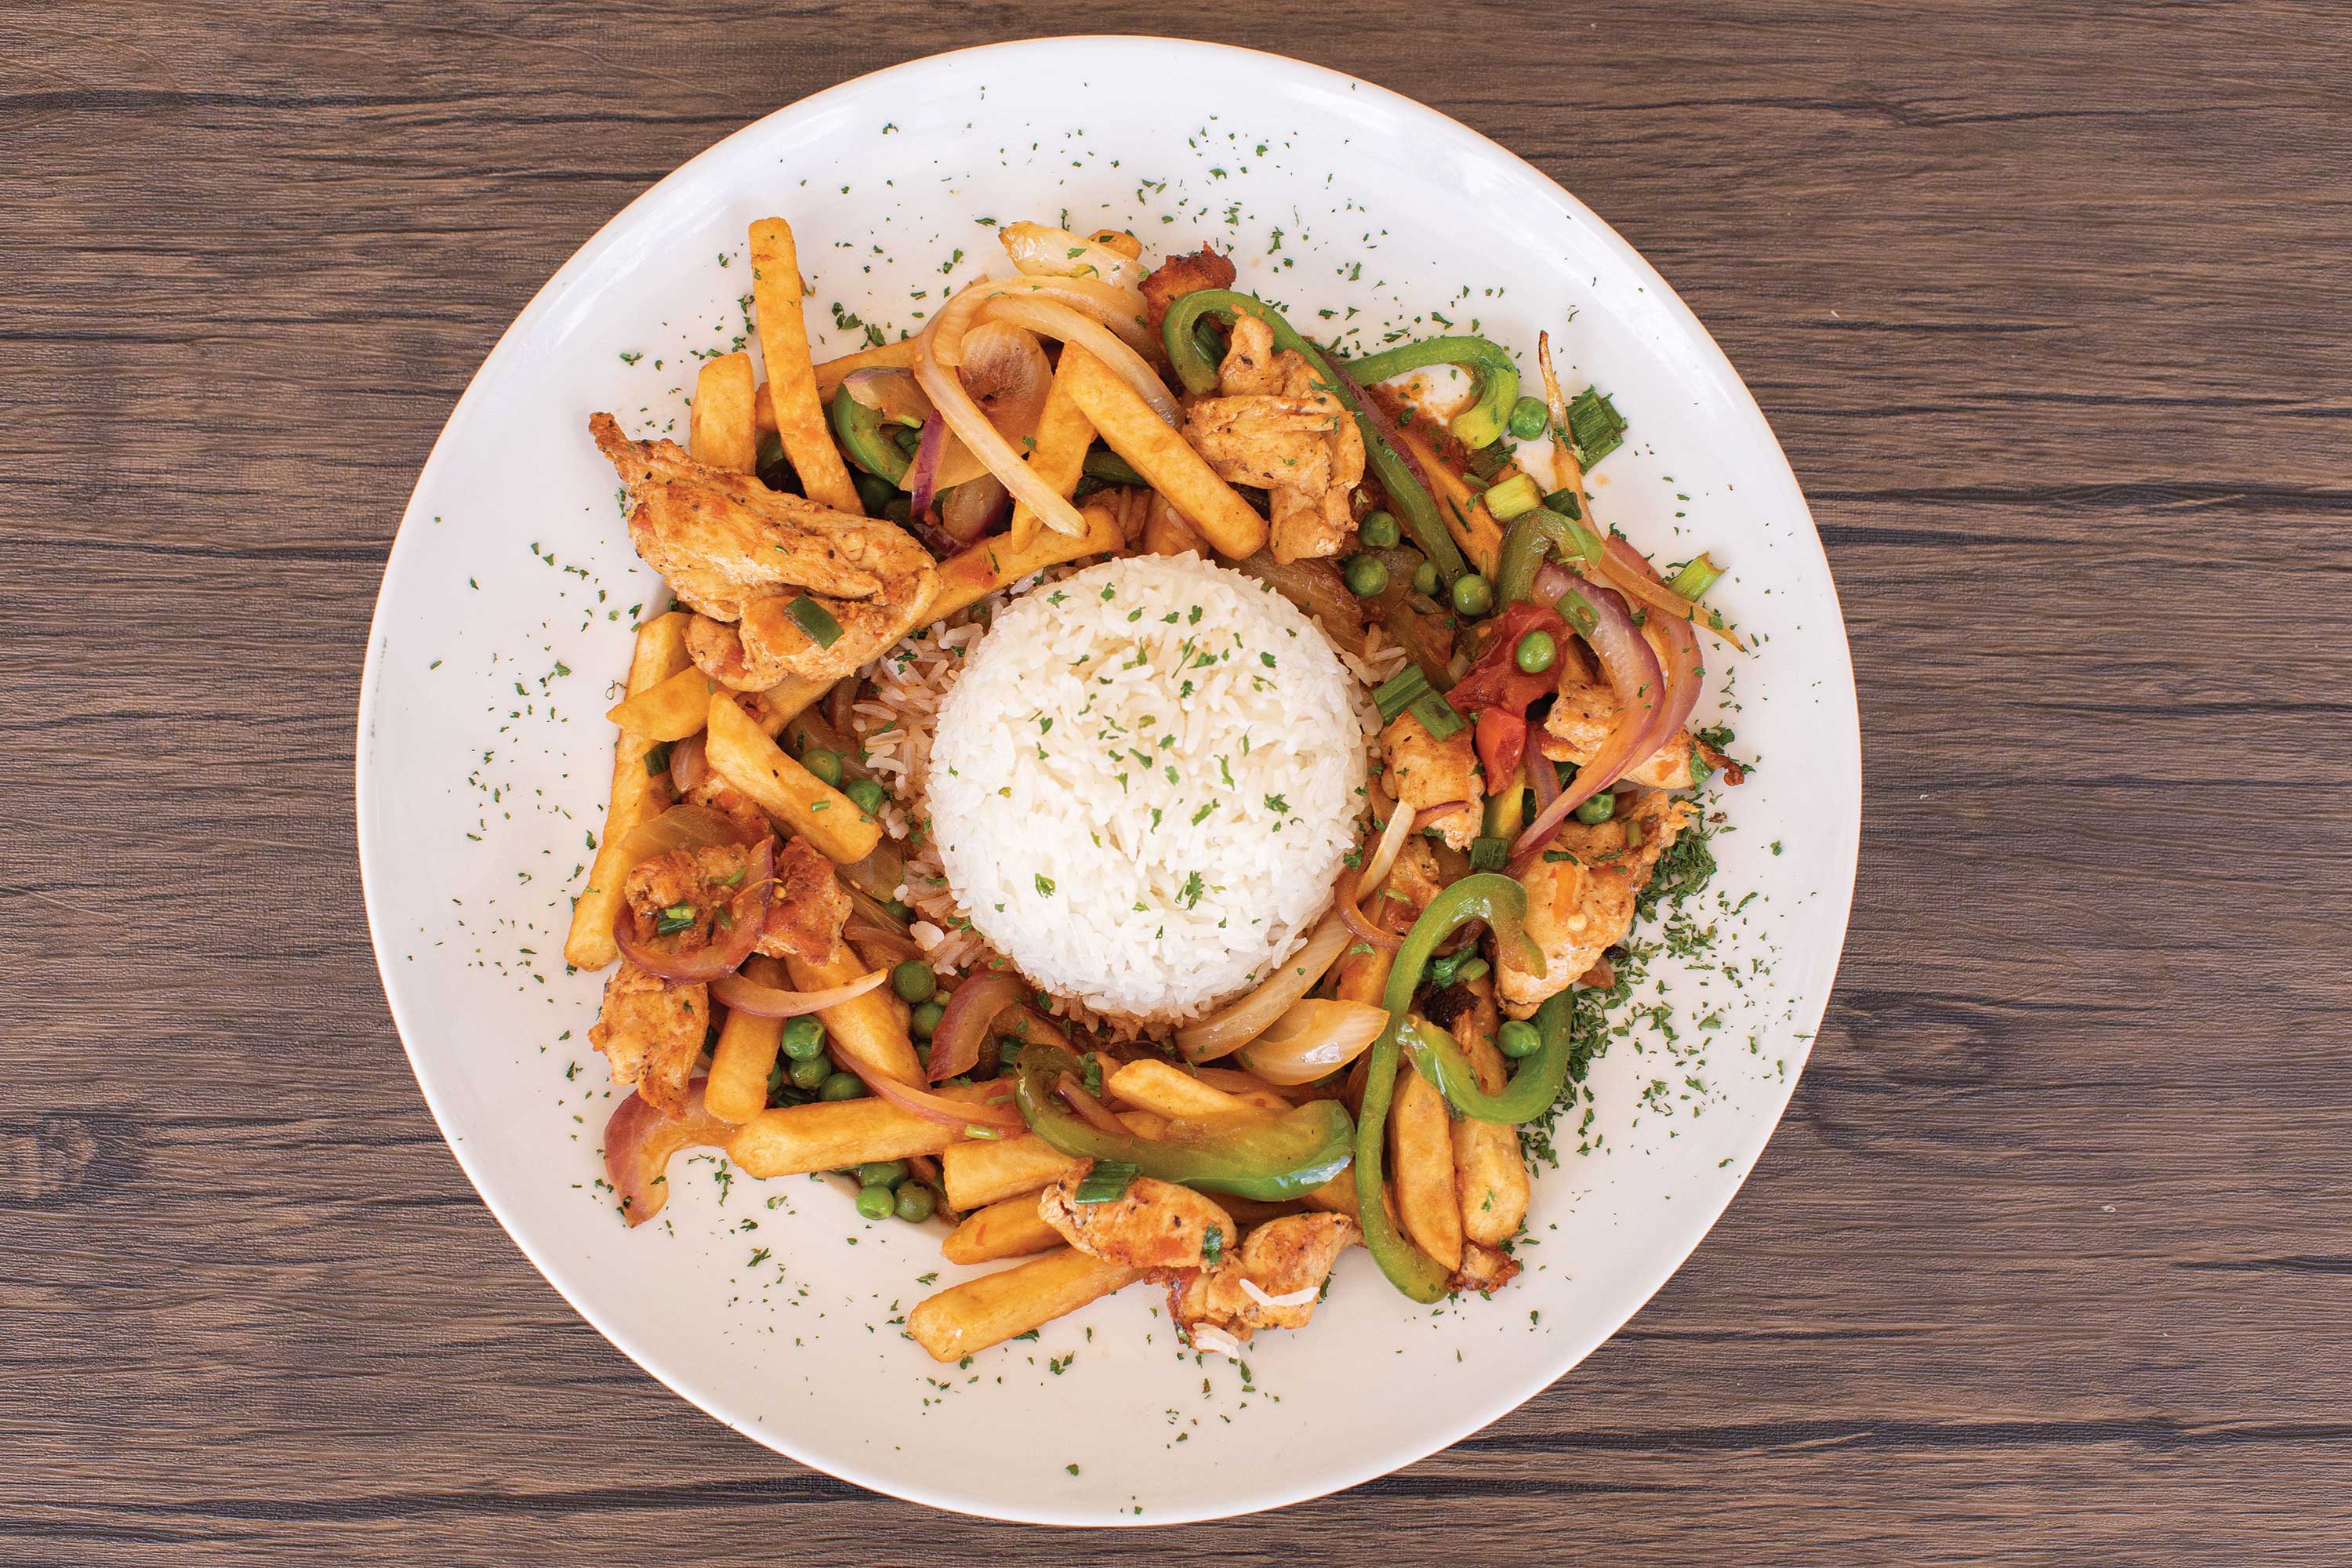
(738, 552)
(652, 1032)
(1586, 709)
(1182, 275)
(1579, 907)
(1281, 1257)
(806, 907)
(1278, 426)
(1423, 770)
(1156, 1224)
(691, 885)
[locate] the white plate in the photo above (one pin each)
(484, 759)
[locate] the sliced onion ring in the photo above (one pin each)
(1240, 1022)
(1051, 318)
(747, 913)
(997, 1114)
(1343, 904)
(1314, 1038)
(1399, 828)
(1094, 1113)
(1429, 815)
(1040, 251)
(923, 473)
(740, 994)
(1644, 696)
(889, 391)
(964, 1023)
(688, 761)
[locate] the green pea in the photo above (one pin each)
(824, 765)
(1517, 1038)
(1367, 575)
(841, 1086)
(1379, 530)
(926, 1021)
(804, 1039)
(916, 1203)
(914, 982)
(882, 1173)
(1529, 418)
(1536, 650)
(866, 795)
(1424, 579)
(811, 1075)
(900, 910)
(1473, 595)
(876, 1202)
(1599, 808)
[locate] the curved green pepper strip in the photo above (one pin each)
(1502, 903)
(1483, 422)
(1531, 538)
(1110, 468)
(1196, 366)
(1533, 1087)
(861, 434)
(1281, 1157)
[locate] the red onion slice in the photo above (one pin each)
(1378, 418)
(999, 1115)
(923, 473)
(740, 994)
(1643, 701)
(964, 1023)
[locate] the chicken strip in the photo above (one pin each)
(1178, 276)
(1423, 770)
(1280, 428)
(1584, 713)
(652, 1033)
(739, 552)
(1283, 1257)
(1157, 1224)
(1484, 1269)
(806, 907)
(682, 897)
(1580, 906)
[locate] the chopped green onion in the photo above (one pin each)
(672, 920)
(1489, 854)
(1515, 497)
(1102, 463)
(1106, 1183)
(657, 759)
(1696, 578)
(1565, 503)
(1437, 716)
(815, 619)
(1399, 691)
(1594, 426)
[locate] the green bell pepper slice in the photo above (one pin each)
(1281, 1157)
(1531, 538)
(1490, 415)
(859, 429)
(1196, 366)
(1502, 903)
(1533, 1087)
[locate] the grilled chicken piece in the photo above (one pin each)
(696, 884)
(1157, 1224)
(1578, 907)
(1424, 770)
(1281, 1257)
(1416, 878)
(1279, 427)
(1182, 275)
(1484, 1269)
(724, 798)
(717, 649)
(806, 907)
(739, 552)
(1585, 711)
(651, 1032)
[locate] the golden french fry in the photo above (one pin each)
(785, 702)
(794, 1140)
(1165, 531)
(972, 576)
(1474, 528)
(991, 1309)
(1420, 1156)
(1012, 1228)
(1490, 1175)
(671, 711)
(724, 430)
(899, 355)
(1149, 1084)
(980, 1172)
(636, 795)
(869, 1027)
(740, 1063)
(1162, 455)
(741, 752)
(1058, 453)
(1337, 1195)
(792, 378)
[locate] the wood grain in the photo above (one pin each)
(2047, 302)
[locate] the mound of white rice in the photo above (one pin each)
(1143, 783)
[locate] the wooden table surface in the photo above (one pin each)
(2048, 302)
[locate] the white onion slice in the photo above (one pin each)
(1236, 1025)
(1051, 318)
(1047, 252)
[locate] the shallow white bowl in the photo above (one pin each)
(484, 758)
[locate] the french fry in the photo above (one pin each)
(972, 574)
(636, 795)
(787, 700)
(724, 430)
(1490, 1176)
(740, 1063)
(1162, 455)
(670, 710)
(1165, 1089)
(1165, 531)
(1337, 1195)
(1058, 453)
(792, 378)
(978, 1172)
(795, 1140)
(899, 355)
(993, 1308)
(1011, 1228)
(1420, 1156)
(868, 1027)
(740, 752)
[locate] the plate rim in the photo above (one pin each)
(1846, 849)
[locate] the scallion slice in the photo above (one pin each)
(1106, 1184)
(1489, 854)
(1515, 497)
(1594, 426)
(1696, 578)
(1399, 691)
(815, 619)
(1437, 716)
